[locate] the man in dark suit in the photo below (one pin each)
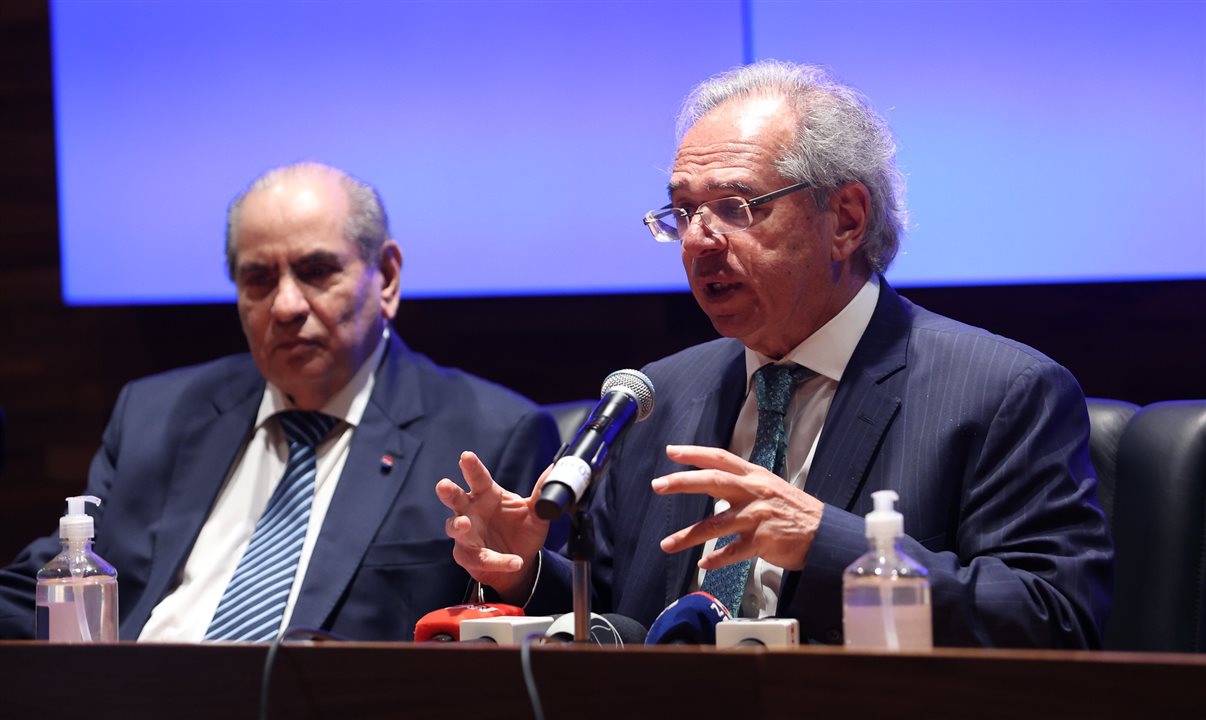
(787, 203)
(192, 458)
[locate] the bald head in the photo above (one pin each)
(366, 223)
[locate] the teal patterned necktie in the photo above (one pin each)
(773, 388)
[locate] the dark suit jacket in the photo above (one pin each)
(382, 559)
(984, 439)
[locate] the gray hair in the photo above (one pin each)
(367, 223)
(839, 139)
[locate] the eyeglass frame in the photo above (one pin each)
(650, 220)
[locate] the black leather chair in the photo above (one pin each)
(1107, 420)
(1159, 525)
(570, 416)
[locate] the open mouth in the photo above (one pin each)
(718, 289)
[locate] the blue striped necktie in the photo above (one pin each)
(254, 602)
(773, 388)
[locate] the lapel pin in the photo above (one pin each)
(387, 463)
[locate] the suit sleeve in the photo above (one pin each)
(526, 452)
(1029, 562)
(18, 581)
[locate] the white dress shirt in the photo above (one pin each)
(826, 352)
(185, 612)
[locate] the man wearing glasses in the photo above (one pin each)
(787, 204)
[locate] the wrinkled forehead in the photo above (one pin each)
(743, 119)
(733, 145)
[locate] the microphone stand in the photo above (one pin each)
(581, 551)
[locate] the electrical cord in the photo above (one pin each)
(293, 633)
(529, 678)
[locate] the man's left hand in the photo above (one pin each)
(773, 519)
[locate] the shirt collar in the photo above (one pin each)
(347, 405)
(828, 350)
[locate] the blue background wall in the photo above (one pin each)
(517, 143)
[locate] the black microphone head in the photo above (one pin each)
(634, 383)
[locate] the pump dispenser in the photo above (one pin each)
(885, 593)
(77, 590)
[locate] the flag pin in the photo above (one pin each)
(387, 463)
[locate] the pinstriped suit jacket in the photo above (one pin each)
(985, 440)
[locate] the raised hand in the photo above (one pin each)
(496, 532)
(773, 519)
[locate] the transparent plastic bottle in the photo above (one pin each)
(885, 593)
(77, 590)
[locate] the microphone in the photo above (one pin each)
(626, 395)
(606, 629)
(509, 630)
(690, 620)
(767, 632)
(444, 625)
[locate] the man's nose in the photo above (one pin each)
(698, 240)
(289, 304)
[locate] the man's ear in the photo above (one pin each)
(389, 264)
(852, 205)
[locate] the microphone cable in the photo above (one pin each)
(529, 678)
(292, 633)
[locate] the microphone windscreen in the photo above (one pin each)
(635, 383)
(604, 630)
(445, 624)
(630, 631)
(690, 620)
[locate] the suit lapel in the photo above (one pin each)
(708, 420)
(863, 407)
(205, 456)
(367, 486)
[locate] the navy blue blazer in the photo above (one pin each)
(984, 439)
(382, 559)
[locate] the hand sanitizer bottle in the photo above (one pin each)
(77, 590)
(885, 594)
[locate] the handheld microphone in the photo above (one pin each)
(690, 620)
(626, 395)
(444, 625)
(607, 629)
(767, 632)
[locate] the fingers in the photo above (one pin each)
(707, 457)
(469, 553)
(714, 526)
(452, 496)
(701, 482)
(477, 477)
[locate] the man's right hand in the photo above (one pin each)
(496, 531)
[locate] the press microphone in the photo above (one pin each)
(606, 629)
(444, 625)
(690, 620)
(509, 630)
(627, 395)
(767, 632)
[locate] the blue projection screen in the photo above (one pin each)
(518, 144)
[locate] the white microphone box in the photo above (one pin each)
(509, 630)
(767, 632)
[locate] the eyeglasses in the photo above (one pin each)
(726, 215)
